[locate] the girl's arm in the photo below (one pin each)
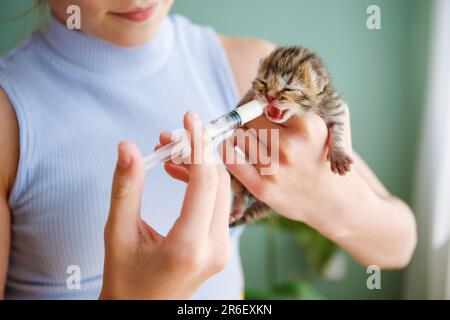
(380, 228)
(355, 211)
(9, 157)
(5, 234)
(243, 56)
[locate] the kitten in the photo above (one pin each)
(291, 81)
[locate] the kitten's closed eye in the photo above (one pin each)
(262, 82)
(293, 90)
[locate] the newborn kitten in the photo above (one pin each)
(291, 81)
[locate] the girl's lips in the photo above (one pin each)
(138, 15)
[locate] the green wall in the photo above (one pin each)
(16, 21)
(380, 74)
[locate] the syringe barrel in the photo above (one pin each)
(223, 124)
(215, 128)
(163, 154)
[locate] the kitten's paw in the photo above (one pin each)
(238, 208)
(236, 222)
(236, 215)
(340, 162)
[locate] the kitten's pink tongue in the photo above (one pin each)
(274, 112)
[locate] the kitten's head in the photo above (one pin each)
(290, 80)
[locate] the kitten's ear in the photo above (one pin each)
(259, 64)
(321, 82)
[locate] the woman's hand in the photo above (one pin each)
(142, 264)
(301, 186)
(355, 211)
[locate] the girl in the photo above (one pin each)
(68, 97)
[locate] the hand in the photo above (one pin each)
(142, 264)
(303, 186)
(355, 211)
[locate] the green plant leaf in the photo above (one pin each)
(318, 250)
(293, 290)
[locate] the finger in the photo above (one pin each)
(266, 131)
(294, 123)
(199, 200)
(239, 167)
(312, 128)
(165, 137)
(347, 132)
(219, 230)
(262, 123)
(309, 125)
(247, 141)
(178, 172)
(149, 234)
(128, 182)
(308, 134)
(254, 148)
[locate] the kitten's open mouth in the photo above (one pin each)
(274, 112)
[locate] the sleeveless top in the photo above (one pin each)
(76, 97)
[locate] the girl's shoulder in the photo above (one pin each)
(12, 56)
(244, 55)
(15, 65)
(9, 144)
(10, 63)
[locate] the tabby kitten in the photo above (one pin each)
(291, 81)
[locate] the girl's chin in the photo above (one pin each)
(129, 37)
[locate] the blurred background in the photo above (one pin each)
(383, 75)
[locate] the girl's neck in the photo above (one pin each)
(104, 58)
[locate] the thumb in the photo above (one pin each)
(128, 182)
(308, 124)
(295, 123)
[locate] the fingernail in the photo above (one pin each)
(193, 115)
(124, 160)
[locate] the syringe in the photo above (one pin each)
(215, 128)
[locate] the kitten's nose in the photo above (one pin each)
(270, 97)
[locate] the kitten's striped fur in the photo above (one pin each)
(294, 80)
